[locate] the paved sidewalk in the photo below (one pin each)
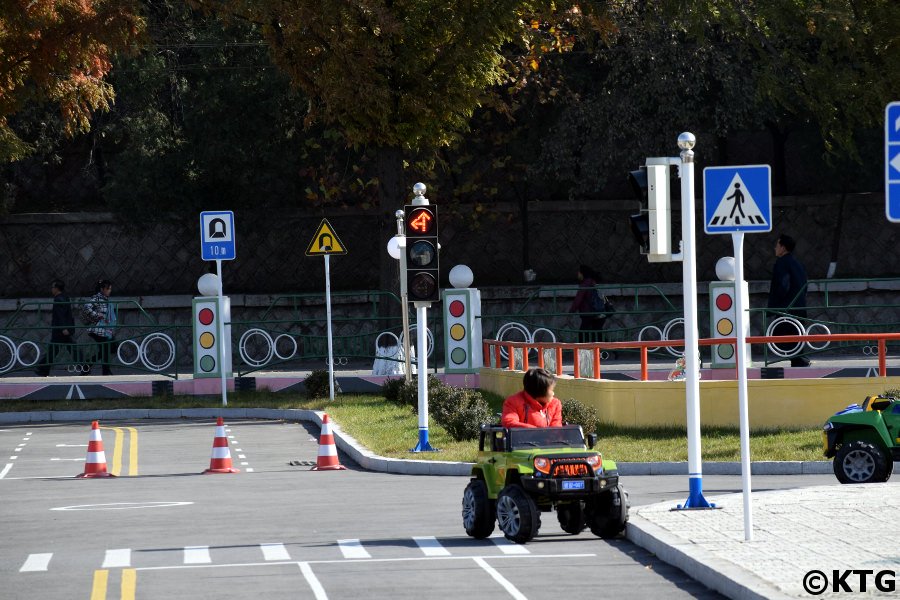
(825, 528)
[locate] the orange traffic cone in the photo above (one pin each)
(328, 458)
(220, 461)
(95, 463)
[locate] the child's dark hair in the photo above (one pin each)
(59, 284)
(103, 283)
(537, 381)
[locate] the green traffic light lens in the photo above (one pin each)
(422, 253)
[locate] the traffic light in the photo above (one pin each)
(651, 226)
(462, 330)
(723, 321)
(422, 272)
(207, 338)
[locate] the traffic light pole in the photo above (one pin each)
(422, 345)
(404, 294)
(695, 499)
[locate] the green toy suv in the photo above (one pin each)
(864, 440)
(521, 472)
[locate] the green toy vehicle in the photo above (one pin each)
(522, 472)
(864, 440)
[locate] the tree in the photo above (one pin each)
(399, 76)
(60, 51)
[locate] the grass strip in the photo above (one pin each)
(391, 430)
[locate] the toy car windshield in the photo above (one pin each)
(546, 437)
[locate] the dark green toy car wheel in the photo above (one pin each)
(571, 517)
(517, 514)
(477, 510)
(861, 462)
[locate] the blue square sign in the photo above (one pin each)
(217, 235)
(892, 161)
(737, 199)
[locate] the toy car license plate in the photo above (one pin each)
(573, 485)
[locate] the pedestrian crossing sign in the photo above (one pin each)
(737, 199)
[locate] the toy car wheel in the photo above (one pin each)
(517, 514)
(861, 462)
(607, 514)
(477, 510)
(571, 517)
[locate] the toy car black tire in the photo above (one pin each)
(607, 514)
(478, 510)
(571, 516)
(861, 462)
(517, 514)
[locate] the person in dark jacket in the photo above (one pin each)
(62, 327)
(591, 322)
(788, 291)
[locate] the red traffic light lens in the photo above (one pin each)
(420, 221)
(422, 286)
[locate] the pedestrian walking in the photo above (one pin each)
(787, 292)
(100, 314)
(62, 328)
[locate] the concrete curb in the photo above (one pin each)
(699, 564)
(368, 460)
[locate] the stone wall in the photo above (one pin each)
(499, 244)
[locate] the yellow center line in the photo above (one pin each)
(98, 591)
(133, 454)
(129, 583)
(116, 468)
(117, 451)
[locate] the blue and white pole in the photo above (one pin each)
(686, 142)
(422, 349)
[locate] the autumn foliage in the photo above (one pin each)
(60, 51)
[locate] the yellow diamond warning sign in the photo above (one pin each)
(325, 241)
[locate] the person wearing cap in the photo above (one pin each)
(535, 405)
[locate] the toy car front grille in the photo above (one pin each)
(569, 468)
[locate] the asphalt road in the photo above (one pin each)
(163, 530)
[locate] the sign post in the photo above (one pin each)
(325, 242)
(217, 243)
(738, 200)
(892, 161)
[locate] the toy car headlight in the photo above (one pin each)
(542, 464)
(828, 426)
(596, 462)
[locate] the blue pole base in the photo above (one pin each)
(695, 496)
(423, 445)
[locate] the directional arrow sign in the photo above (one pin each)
(892, 161)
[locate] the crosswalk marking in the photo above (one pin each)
(353, 549)
(5, 470)
(196, 555)
(507, 547)
(274, 552)
(120, 557)
(430, 546)
(36, 562)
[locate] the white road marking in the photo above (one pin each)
(196, 555)
(5, 470)
(248, 470)
(238, 450)
(242, 456)
(36, 562)
(507, 547)
(274, 552)
(353, 549)
(430, 546)
(120, 557)
(509, 587)
(70, 459)
(372, 560)
(13, 457)
(313, 581)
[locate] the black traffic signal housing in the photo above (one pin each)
(422, 271)
(640, 223)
